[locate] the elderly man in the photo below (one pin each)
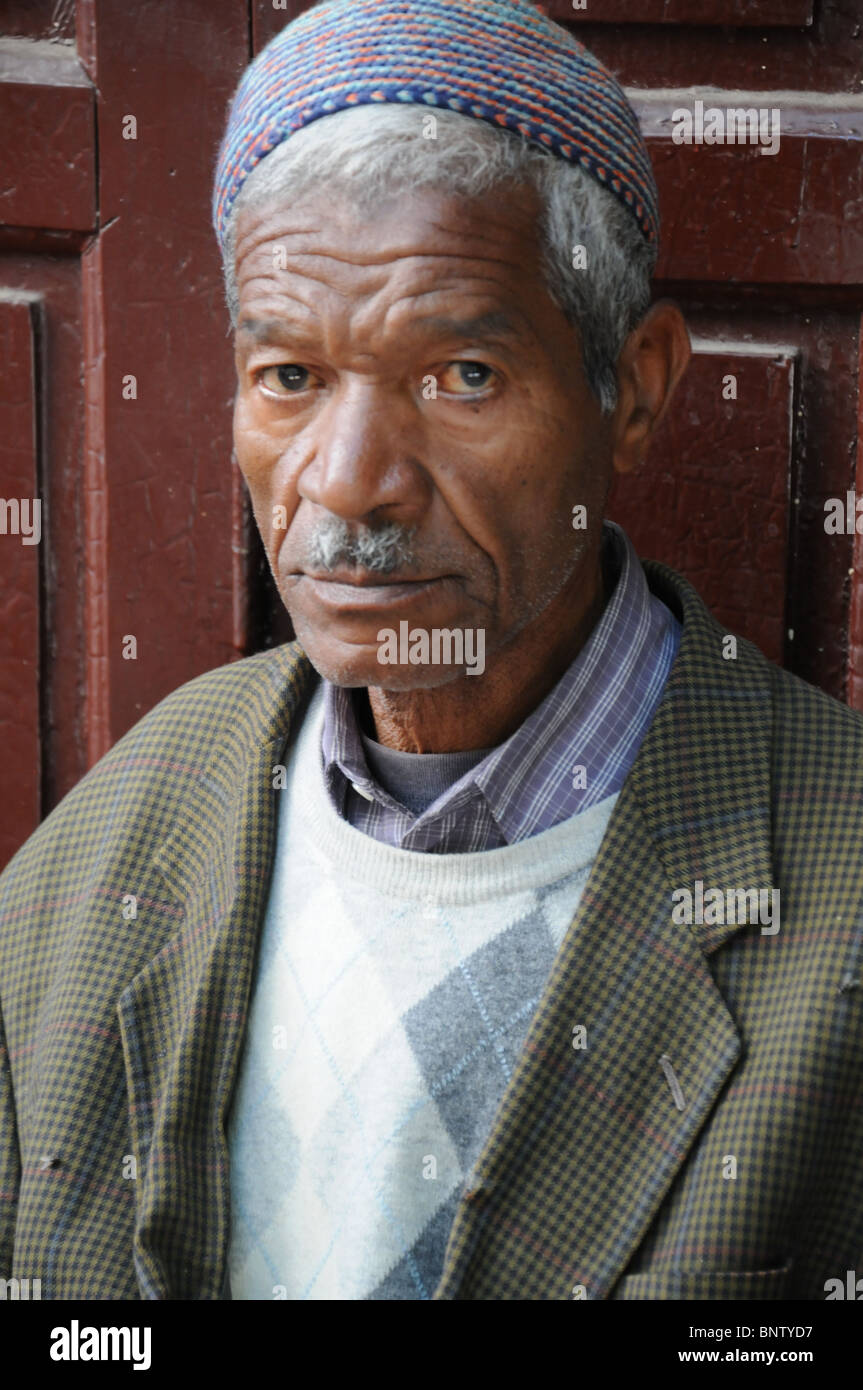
(439, 953)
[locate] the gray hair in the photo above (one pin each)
(375, 152)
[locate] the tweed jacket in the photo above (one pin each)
(703, 1140)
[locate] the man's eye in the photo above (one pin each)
(464, 378)
(287, 377)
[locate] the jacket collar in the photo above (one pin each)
(585, 1143)
(704, 766)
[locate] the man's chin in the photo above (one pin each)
(348, 665)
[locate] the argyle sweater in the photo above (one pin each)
(393, 992)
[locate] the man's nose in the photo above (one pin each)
(364, 456)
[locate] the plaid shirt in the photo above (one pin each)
(595, 717)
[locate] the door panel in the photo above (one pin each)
(713, 499)
(20, 533)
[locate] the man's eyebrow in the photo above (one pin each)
(494, 323)
(265, 330)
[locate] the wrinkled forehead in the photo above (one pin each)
(473, 262)
(406, 225)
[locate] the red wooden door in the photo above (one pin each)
(117, 381)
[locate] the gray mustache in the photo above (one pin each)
(336, 543)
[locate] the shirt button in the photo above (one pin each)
(357, 788)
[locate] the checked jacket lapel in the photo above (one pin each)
(182, 1018)
(587, 1142)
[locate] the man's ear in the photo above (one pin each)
(651, 363)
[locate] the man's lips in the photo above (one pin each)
(343, 589)
(366, 579)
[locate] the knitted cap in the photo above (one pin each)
(502, 61)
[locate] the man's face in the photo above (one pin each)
(410, 371)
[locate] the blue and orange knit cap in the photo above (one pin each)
(501, 61)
